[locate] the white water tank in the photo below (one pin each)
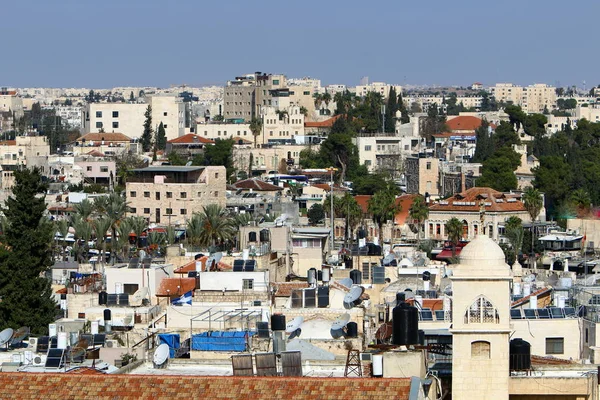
(52, 330)
(517, 289)
(533, 302)
(326, 274)
(61, 342)
(198, 266)
(561, 301)
(426, 285)
(95, 326)
(378, 365)
(245, 254)
(526, 289)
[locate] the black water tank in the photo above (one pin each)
(426, 276)
(278, 322)
(198, 256)
(352, 330)
(356, 276)
(102, 298)
(520, 355)
(323, 296)
(263, 329)
(405, 325)
(400, 298)
(320, 275)
(107, 315)
(421, 337)
(348, 264)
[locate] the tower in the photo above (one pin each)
(481, 322)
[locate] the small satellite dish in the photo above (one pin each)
(139, 296)
(161, 356)
(389, 259)
(337, 328)
(19, 335)
(5, 336)
(295, 334)
(294, 324)
(188, 164)
(346, 282)
(352, 298)
(217, 256)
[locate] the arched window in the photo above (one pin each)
(252, 236)
(465, 233)
(482, 311)
(480, 350)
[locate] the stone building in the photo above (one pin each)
(171, 194)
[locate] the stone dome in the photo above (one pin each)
(483, 252)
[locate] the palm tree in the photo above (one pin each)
(419, 211)
(121, 241)
(454, 231)
(101, 227)
(156, 240)
(138, 226)
(581, 200)
(383, 207)
(318, 100)
(351, 212)
(83, 232)
(84, 209)
(212, 226)
(115, 209)
(532, 199)
(62, 228)
(513, 230)
(326, 98)
(256, 128)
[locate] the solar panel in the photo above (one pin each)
(133, 262)
(238, 265)
(426, 315)
(54, 359)
(543, 313)
(111, 300)
(515, 314)
(123, 299)
(88, 338)
(250, 265)
(99, 339)
(42, 343)
(147, 262)
(570, 312)
(53, 342)
(310, 298)
(439, 315)
(556, 312)
(530, 313)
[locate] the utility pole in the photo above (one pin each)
(383, 118)
(331, 171)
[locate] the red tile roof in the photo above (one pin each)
(8, 143)
(240, 140)
(525, 300)
(107, 137)
(169, 286)
(95, 153)
(405, 201)
(257, 185)
(464, 123)
(191, 266)
(328, 123)
(468, 201)
(327, 187)
(26, 386)
(189, 139)
(284, 289)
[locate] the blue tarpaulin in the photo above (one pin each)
(220, 341)
(172, 340)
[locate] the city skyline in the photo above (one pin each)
(148, 44)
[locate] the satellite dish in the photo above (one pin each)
(139, 296)
(294, 324)
(161, 356)
(188, 164)
(217, 256)
(295, 334)
(352, 298)
(389, 259)
(337, 328)
(5, 336)
(346, 282)
(19, 335)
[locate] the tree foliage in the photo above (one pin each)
(146, 139)
(161, 137)
(220, 153)
(316, 214)
(383, 207)
(27, 298)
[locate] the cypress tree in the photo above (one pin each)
(390, 111)
(161, 137)
(148, 131)
(25, 258)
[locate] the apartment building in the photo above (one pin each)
(379, 151)
(424, 101)
(19, 152)
(108, 143)
(9, 101)
(378, 87)
(591, 113)
(171, 194)
(128, 118)
(267, 159)
(532, 99)
(423, 176)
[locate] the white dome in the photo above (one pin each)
(483, 252)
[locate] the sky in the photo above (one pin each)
(108, 43)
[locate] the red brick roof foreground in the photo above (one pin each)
(27, 386)
(468, 201)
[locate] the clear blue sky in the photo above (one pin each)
(106, 43)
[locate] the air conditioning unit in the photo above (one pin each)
(33, 342)
(366, 357)
(37, 361)
(112, 343)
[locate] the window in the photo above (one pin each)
(99, 125)
(165, 126)
(275, 81)
(252, 236)
(248, 284)
(130, 288)
(115, 114)
(169, 195)
(368, 163)
(115, 124)
(216, 194)
(183, 211)
(482, 311)
(133, 210)
(199, 194)
(367, 148)
(165, 114)
(428, 165)
(169, 211)
(98, 114)
(183, 195)
(88, 168)
(132, 194)
(146, 211)
(146, 194)
(306, 93)
(366, 269)
(157, 194)
(103, 168)
(216, 175)
(555, 345)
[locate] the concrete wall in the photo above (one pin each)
(147, 277)
(218, 281)
(404, 364)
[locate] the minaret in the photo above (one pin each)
(481, 321)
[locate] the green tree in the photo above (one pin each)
(131, 97)
(383, 207)
(432, 124)
(505, 135)
(161, 137)
(138, 226)
(256, 125)
(532, 199)
(101, 227)
(146, 139)
(419, 212)
(27, 298)
(514, 232)
(454, 231)
(535, 124)
(316, 214)
(581, 200)
(390, 111)
(485, 145)
(220, 153)
(176, 159)
(516, 116)
(498, 170)
(211, 227)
